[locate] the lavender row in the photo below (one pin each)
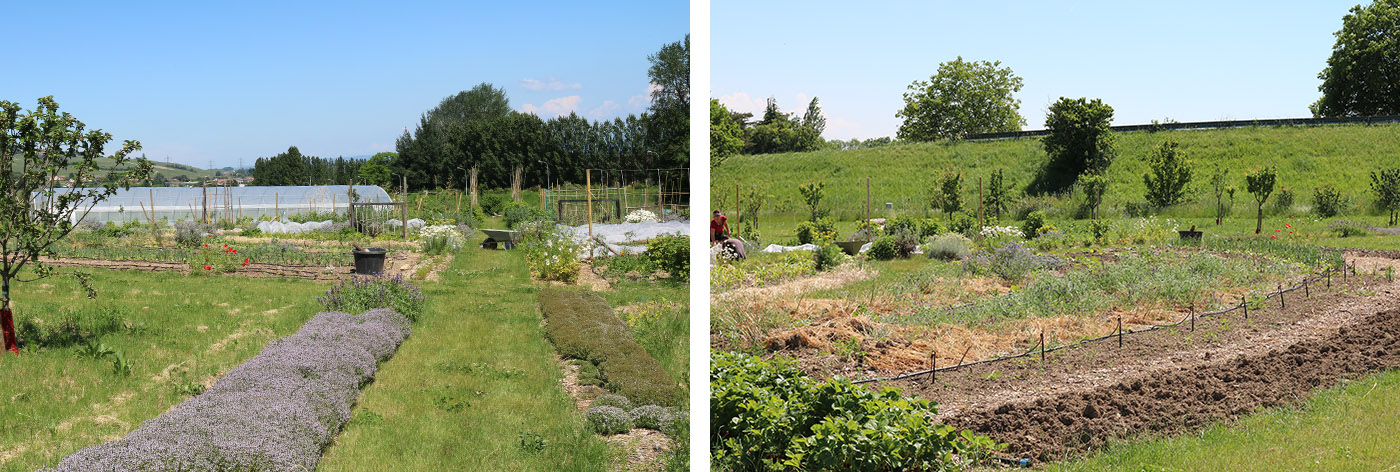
(277, 411)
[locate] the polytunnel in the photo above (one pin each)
(171, 204)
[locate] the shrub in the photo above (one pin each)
(963, 224)
(190, 233)
(551, 255)
(492, 204)
(439, 239)
(603, 419)
(671, 253)
(582, 326)
(615, 400)
(767, 415)
(277, 411)
(828, 257)
(1011, 262)
(1034, 222)
(250, 232)
(1327, 201)
(903, 224)
(654, 417)
(1283, 201)
(816, 232)
(948, 246)
(929, 227)
(517, 214)
(882, 249)
(1099, 229)
(364, 293)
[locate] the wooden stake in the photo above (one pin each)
(1192, 313)
(982, 217)
(1120, 331)
(588, 188)
(1042, 346)
(1281, 304)
(1244, 304)
(1306, 293)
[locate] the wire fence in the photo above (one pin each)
(1041, 349)
(615, 193)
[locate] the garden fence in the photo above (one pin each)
(1041, 349)
(614, 193)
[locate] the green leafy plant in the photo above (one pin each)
(1261, 184)
(671, 253)
(883, 249)
(360, 294)
(121, 366)
(949, 247)
(828, 257)
(816, 231)
(1327, 201)
(1032, 226)
(1169, 177)
(551, 255)
(812, 196)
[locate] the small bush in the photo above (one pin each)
(614, 400)
(948, 246)
(1099, 229)
(671, 253)
(551, 255)
(903, 224)
(603, 419)
(654, 417)
(441, 239)
(1011, 262)
(492, 204)
(816, 232)
(1283, 201)
(251, 232)
(1034, 222)
(929, 227)
(1327, 201)
(882, 249)
(583, 326)
(191, 234)
(517, 214)
(361, 294)
(963, 224)
(828, 257)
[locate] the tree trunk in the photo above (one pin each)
(7, 320)
(1259, 223)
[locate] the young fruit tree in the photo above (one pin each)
(1218, 184)
(1386, 184)
(38, 147)
(1170, 176)
(1261, 184)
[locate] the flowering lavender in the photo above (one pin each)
(362, 293)
(1011, 262)
(277, 411)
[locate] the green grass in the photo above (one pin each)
(1352, 427)
(54, 402)
(662, 324)
(1341, 155)
(476, 377)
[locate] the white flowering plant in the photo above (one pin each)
(439, 239)
(641, 216)
(551, 255)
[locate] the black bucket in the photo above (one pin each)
(369, 261)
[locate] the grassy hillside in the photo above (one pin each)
(1341, 155)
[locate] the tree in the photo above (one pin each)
(964, 97)
(669, 120)
(1170, 176)
(375, 171)
(34, 214)
(1080, 142)
(999, 193)
(1261, 184)
(1362, 77)
(1386, 184)
(726, 136)
(1094, 186)
(1219, 182)
(949, 195)
(812, 195)
(482, 102)
(287, 168)
(782, 132)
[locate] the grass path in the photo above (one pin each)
(1346, 428)
(473, 388)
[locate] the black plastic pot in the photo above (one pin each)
(369, 261)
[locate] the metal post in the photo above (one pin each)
(405, 207)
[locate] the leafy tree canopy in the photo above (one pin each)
(1080, 142)
(1362, 77)
(726, 135)
(964, 97)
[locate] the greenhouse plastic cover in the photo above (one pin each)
(175, 203)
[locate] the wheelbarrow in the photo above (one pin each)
(500, 239)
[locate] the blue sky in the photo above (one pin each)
(1184, 60)
(208, 83)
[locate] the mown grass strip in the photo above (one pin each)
(475, 388)
(582, 325)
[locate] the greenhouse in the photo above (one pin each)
(171, 204)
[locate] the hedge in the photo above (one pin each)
(582, 325)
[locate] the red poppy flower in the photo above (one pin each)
(1288, 225)
(208, 268)
(235, 251)
(206, 245)
(1277, 230)
(1290, 232)
(1273, 236)
(245, 261)
(208, 235)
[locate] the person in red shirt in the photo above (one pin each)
(719, 228)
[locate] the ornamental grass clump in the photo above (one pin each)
(361, 294)
(277, 411)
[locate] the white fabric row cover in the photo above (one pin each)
(171, 204)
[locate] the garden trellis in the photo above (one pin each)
(615, 193)
(223, 203)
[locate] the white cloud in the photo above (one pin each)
(607, 110)
(741, 102)
(552, 84)
(641, 102)
(837, 128)
(556, 107)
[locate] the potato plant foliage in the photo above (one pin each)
(767, 415)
